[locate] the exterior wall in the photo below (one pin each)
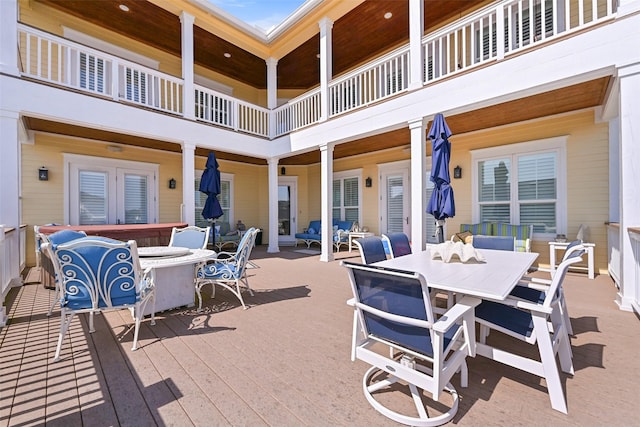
(43, 201)
(587, 173)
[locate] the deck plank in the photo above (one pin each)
(284, 361)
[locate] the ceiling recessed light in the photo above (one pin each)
(388, 15)
(227, 55)
(318, 55)
(124, 8)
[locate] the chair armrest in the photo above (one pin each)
(536, 280)
(525, 305)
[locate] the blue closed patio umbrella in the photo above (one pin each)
(441, 204)
(210, 185)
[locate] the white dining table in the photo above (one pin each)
(492, 279)
(173, 272)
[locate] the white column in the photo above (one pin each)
(417, 129)
(9, 37)
(629, 178)
(326, 196)
(326, 66)
(187, 21)
(188, 180)
(273, 206)
(272, 92)
(416, 31)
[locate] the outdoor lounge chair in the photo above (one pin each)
(500, 243)
(99, 274)
(393, 307)
(540, 324)
(191, 237)
(371, 249)
(398, 244)
(227, 270)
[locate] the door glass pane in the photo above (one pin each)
(495, 213)
(284, 210)
(93, 197)
(395, 204)
(135, 199)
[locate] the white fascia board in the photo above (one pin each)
(46, 102)
(577, 59)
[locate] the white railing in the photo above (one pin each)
(504, 28)
(222, 110)
(489, 34)
(298, 113)
(377, 80)
(53, 59)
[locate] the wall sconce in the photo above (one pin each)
(43, 174)
(283, 171)
(172, 183)
(368, 182)
(457, 172)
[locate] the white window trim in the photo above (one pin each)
(557, 144)
(351, 173)
(103, 162)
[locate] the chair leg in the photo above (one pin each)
(550, 368)
(565, 313)
(65, 321)
(56, 296)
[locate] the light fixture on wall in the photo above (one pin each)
(43, 174)
(283, 171)
(172, 183)
(368, 182)
(457, 172)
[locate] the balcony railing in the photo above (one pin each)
(487, 35)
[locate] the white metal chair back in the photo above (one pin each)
(191, 237)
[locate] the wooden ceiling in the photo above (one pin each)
(571, 98)
(361, 34)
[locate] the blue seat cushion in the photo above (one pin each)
(218, 271)
(529, 294)
(506, 317)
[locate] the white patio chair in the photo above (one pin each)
(227, 270)
(393, 307)
(191, 237)
(100, 274)
(534, 289)
(529, 322)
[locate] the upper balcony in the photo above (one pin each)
(487, 36)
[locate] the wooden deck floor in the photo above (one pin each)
(284, 361)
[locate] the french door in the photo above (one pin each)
(395, 198)
(105, 191)
(287, 208)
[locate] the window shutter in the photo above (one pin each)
(431, 220)
(135, 199)
(395, 202)
(93, 197)
(351, 202)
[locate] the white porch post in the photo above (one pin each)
(416, 31)
(417, 129)
(188, 213)
(326, 195)
(272, 92)
(629, 116)
(627, 7)
(188, 93)
(273, 206)
(326, 66)
(9, 37)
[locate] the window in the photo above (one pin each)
(346, 196)
(225, 198)
(521, 28)
(522, 184)
(107, 191)
(92, 73)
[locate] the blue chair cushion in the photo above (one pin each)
(507, 317)
(217, 270)
(529, 294)
(501, 243)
